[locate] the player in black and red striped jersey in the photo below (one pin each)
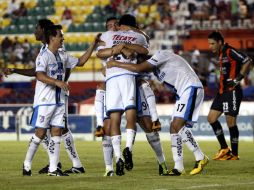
(233, 67)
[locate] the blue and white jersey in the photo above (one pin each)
(112, 38)
(54, 65)
(174, 71)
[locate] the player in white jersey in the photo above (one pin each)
(144, 119)
(175, 73)
(121, 87)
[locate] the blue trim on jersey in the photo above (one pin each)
(171, 87)
(130, 107)
(114, 110)
(191, 104)
(104, 118)
(139, 102)
(144, 115)
(121, 75)
(57, 126)
(34, 116)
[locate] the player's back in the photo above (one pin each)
(112, 38)
(174, 71)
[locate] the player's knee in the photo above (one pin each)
(211, 118)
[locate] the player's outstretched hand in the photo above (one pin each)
(7, 71)
(97, 38)
(62, 85)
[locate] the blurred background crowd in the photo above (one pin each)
(169, 23)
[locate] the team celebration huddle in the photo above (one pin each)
(128, 66)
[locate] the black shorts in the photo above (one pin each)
(228, 102)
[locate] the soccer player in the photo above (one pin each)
(121, 87)
(233, 67)
(49, 102)
(175, 73)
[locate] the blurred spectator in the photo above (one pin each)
(21, 11)
(6, 47)
(243, 10)
(27, 54)
(66, 17)
(111, 8)
(12, 6)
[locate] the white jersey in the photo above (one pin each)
(174, 71)
(55, 67)
(112, 38)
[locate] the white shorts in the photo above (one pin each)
(188, 105)
(105, 116)
(121, 93)
(45, 116)
(142, 105)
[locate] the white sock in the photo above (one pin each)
(46, 140)
(107, 152)
(33, 146)
(191, 143)
(150, 99)
(99, 106)
(130, 138)
(116, 143)
(71, 149)
(54, 152)
(177, 151)
(154, 140)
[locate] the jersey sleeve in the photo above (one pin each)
(157, 59)
(238, 56)
(142, 41)
(41, 63)
(71, 61)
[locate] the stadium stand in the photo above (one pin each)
(170, 24)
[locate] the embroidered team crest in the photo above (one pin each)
(41, 118)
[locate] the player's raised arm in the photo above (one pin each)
(83, 59)
(138, 68)
(25, 72)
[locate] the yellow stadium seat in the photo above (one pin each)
(30, 4)
(143, 9)
(68, 3)
(84, 2)
(153, 8)
(59, 3)
(6, 22)
(82, 38)
(59, 11)
(95, 2)
(105, 2)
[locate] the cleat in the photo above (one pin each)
(199, 166)
(221, 153)
(109, 173)
(57, 172)
(230, 156)
(75, 170)
(175, 172)
(120, 167)
(163, 169)
(26, 173)
(156, 125)
(99, 131)
(46, 168)
(128, 163)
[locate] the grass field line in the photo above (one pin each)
(213, 185)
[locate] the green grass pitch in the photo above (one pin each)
(223, 175)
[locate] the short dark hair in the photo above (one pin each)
(217, 36)
(43, 23)
(51, 31)
(128, 20)
(109, 19)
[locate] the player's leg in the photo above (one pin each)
(99, 109)
(57, 125)
(39, 121)
(234, 99)
(187, 107)
(153, 139)
(71, 150)
(107, 149)
(69, 144)
(151, 101)
(128, 93)
(215, 112)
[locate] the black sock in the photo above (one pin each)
(234, 138)
(218, 131)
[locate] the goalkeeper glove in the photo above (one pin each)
(234, 82)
